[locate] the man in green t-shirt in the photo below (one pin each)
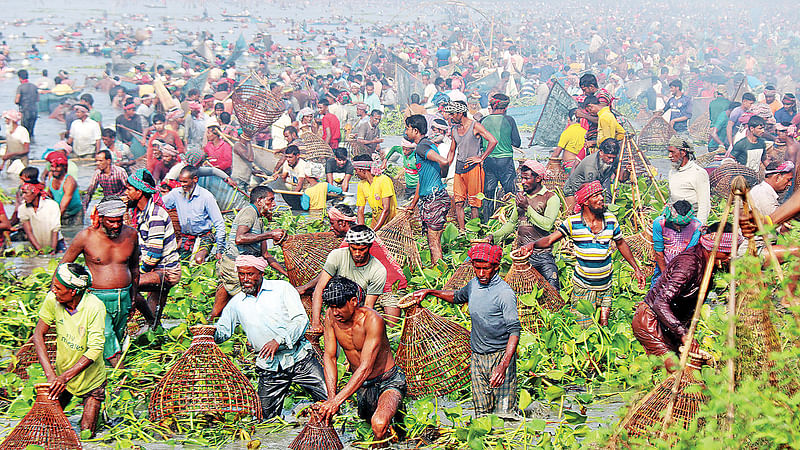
(406, 149)
(718, 138)
(499, 165)
(79, 318)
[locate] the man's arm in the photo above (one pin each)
(386, 203)
(92, 187)
(316, 300)
(448, 296)
(244, 236)
(703, 197)
(729, 132)
(329, 359)
(133, 267)
(515, 139)
(219, 223)
(548, 219)
(227, 322)
(54, 240)
(491, 141)
(346, 182)
(661, 298)
(301, 181)
(26, 226)
(545, 242)
(69, 189)
(75, 248)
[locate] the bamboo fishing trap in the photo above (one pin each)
(304, 254)
(647, 416)
(26, 355)
(398, 239)
(45, 425)
(558, 177)
(434, 352)
(255, 107)
(655, 135)
(700, 128)
(720, 178)
(313, 148)
(203, 380)
(317, 435)
(462, 275)
(524, 279)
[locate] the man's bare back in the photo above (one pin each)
(351, 337)
(109, 260)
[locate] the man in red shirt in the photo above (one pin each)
(219, 152)
(331, 129)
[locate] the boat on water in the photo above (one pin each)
(241, 15)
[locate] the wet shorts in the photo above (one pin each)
(649, 332)
(98, 393)
(466, 186)
(118, 306)
(369, 392)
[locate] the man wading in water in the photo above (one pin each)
(111, 250)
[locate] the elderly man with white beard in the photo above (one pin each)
(599, 166)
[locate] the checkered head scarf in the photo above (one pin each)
(68, 275)
(725, 245)
(455, 107)
(364, 236)
(499, 101)
(340, 290)
(671, 215)
(585, 193)
(484, 251)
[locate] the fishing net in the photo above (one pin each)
(255, 107)
(655, 135)
(316, 436)
(647, 416)
(557, 176)
(434, 353)
(720, 179)
(398, 239)
(45, 425)
(524, 279)
(304, 255)
(26, 355)
(203, 380)
(313, 148)
(462, 275)
(554, 116)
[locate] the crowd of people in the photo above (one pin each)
(457, 152)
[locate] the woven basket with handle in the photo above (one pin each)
(45, 425)
(26, 355)
(255, 107)
(434, 352)
(524, 279)
(203, 380)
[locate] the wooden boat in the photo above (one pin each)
(228, 198)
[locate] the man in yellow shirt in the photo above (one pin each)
(377, 190)
(607, 125)
(79, 318)
(315, 197)
(571, 145)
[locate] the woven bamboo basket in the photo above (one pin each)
(355, 148)
(647, 416)
(557, 176)
(462, 275)
(524, 279)
(317, 436)
(176, 222)
(434, 353)
(45, 425)
(136, 322)
(399, 184)
(700, 129)
(26, 355)
(708, 158)
(398, 239)
(720, 179)
(255, 107)
(641, 245)
(313, 148)
(305, 254)
(655, 135)
(203, 380)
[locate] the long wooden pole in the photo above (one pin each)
(649, 170)
(731, 338)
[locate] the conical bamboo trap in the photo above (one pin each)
(557, 176)
(641, 245)
(317, 436)
(434, 352)
(203, 380)
(45, 425)
(700, 128)
(26, 355)
(399, 184)
(304, 254)
(524, 279)
(355, 148)
(655, 135)
(721, 177)
(462, 275)
(313, 148)
(646, 418)
(255, 107)
(398, 239)
(136, 322)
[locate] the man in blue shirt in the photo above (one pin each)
(679, 107)
(495, 331)
(434, 201)
(789, 109)
(199, 216)
(273, 318)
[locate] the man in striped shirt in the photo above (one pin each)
(160, 263)
(592, 229)
(108, 176)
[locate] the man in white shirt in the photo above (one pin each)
(146, 108)
(41, 219)
(295, 169)
(84, 133)
(687, 180)
(777, 177)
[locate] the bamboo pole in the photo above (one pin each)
(649, 170)
(731, 338)
(615, 186)
(706, 281)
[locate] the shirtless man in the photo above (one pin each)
(111, 250)
(361, 333)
